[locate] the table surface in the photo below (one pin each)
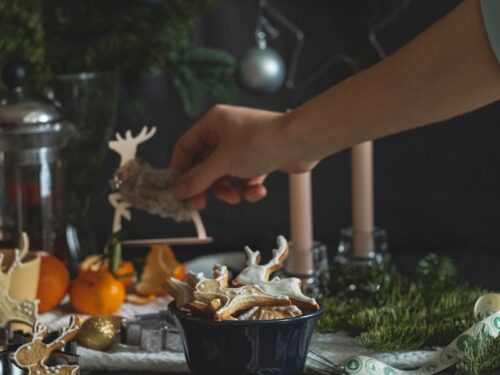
(335, 347)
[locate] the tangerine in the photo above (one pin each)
(52, 283)
(125, 272)
(96, 293)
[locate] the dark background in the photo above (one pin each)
(436, 188)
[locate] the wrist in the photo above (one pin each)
(295, 142)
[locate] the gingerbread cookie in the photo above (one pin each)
(213, 298)
(253, 296)
(33, 355)
(257, 274)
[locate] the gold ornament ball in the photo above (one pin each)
(99, 332)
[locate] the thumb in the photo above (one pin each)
(199, 178)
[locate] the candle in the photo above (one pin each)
(300, 260)
(362, 199)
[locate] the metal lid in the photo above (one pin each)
(21, 113)
(29, 123)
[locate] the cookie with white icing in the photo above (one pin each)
(33, 355)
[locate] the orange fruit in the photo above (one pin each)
(52, 283)
(125, 272)
(179, 271)
(96, 293)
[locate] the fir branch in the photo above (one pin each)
(482, 354)
(387, 311)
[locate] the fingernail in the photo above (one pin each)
(180, 190)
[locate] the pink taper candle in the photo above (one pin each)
(362, 199)
(300, 261)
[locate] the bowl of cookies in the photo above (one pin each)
(250, 325)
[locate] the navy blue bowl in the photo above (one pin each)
(257, 347)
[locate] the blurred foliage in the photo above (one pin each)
(387, 311)
(22, 34)
(60, 36)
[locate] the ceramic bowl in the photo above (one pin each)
(263, 347)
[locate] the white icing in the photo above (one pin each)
(181, 290)
(255, 274)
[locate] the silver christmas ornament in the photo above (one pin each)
(261, 71)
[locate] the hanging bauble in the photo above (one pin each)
(261, 71)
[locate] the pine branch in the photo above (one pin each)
(482, 355)
(387, 311)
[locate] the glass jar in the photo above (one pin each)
(32, 135)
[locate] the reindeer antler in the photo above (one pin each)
(68, 333)
(39, 331)
(255, 273)
(279, 255)
(253, 257)
(127, 147)
(221, 275)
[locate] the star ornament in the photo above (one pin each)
(24, 311)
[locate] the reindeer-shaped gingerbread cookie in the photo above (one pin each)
(257, 274)
(253, 291)
(213, 297)
(33, 355)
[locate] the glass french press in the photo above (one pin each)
(32, 135)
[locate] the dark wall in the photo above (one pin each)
(437, 188)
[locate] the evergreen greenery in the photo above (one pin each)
(482, 355)
(387, 311)
(22, 34)
(59, 36)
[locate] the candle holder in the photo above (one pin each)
(311, 280)
(373, 244)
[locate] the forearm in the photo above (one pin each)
(448, 70)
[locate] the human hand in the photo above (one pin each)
(234, 142)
